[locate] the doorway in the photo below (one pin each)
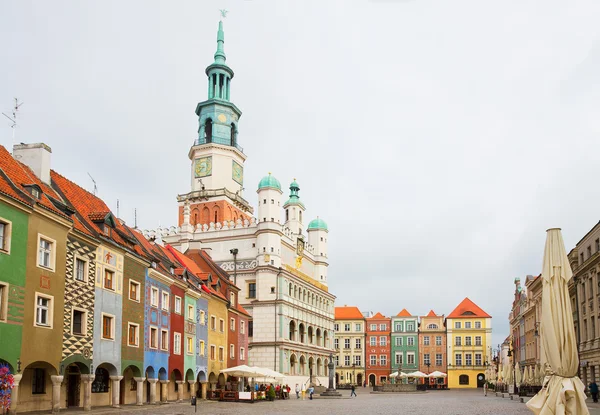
(73, 390)
(372, 379)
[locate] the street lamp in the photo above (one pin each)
(428, 364)
(354, 372)
(512, 354)
(234, 251)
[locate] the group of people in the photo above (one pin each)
(281, 391)
(310, 391)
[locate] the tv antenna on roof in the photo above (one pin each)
(95, 187)
(13, 117)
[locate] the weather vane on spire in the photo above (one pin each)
(224, 13)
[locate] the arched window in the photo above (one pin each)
(217, 214)
(100, 383)
(300, 216)
(291, 290)
(233, 135)
(310, 335)
(287, 215)
(463, 380)
(292, 331)
(205, 218)
(293, 364)
(319, 339)
(208, 130)
(301, 333)
(432, 326)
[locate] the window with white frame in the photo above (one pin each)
(347, 327)
(133, 334)
(467, 340)
(410, 358)
(398, 358)
(336, 327)
(438, 359)
(410, 327)
(357, 327)
(78, 322)
(80, 269)
(346, 360)
(478, 359)
(222, 325)
(457, 324)
(477, 340)
(398, 341)
(336, 359)
(383, 360)
(164, 339)
(46, 252)
(336, 343)
(43, 310)
(213, 323)
(373, 327)
(232, 324)
(154, 297)
(468, 359)
(357, 360)
(242, 353)
(426, 359)
(202, 318)
(426, 340)
(410, 341)
(5, 233)
(373, 341)
(242, 327)
(382, 341)
(134, 290)
(398, 327)
(467, 324)
(177, 304)
(438, 340)
(213, 352)
(108, 326)
(346, 343)
(153, 338)
(109, 279)
(3, 301)
(478, 324)
(458, 341)
(231, 351)
(190, 345)
(221, 353)
(458, 359)
(373, 360)
(190, 312)
(358, 344)
(201, 349)
(165, 301)
(177, 343)
(382, 327)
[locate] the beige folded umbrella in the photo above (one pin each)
(562, 392)
(518, 377)
(527, 375)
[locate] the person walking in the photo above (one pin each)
(297, 391)
(594, 390)
(485, 389)
(311, 391)
(353, 391)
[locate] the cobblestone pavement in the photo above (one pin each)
(453, 402)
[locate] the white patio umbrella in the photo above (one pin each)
(393, 375)
(417, 374)
(562, 392)
(437, 374)
(242, 370)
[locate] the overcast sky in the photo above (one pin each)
(438, 139)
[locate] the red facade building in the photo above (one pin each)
(378, 361)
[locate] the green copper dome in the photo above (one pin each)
(317, 224)
(294, 197)
(269, 181)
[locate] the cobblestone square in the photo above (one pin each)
(452, 402)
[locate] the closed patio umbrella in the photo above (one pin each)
(518, 377)
(562, 392)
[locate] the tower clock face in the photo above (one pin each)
(237, 172)
(203, 166)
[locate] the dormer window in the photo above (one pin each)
(172, 270)
(153, 264)
(35, 192)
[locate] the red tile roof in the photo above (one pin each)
(468, 309)
(348, 313)
(378, 316)
(432, 314)
(404, 313)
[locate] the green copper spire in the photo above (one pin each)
(294, 197)
(220, 53)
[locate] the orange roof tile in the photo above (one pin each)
(404, 313)
(378, 316)
(468, 309)
(348, 313)
(432, 314)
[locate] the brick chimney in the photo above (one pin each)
(37, 157)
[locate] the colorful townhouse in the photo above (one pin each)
(432, 345)
(378, 349)
(469, 340)
(405, 344)
(349, 341)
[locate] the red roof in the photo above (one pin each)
(432, 314)
(468, 309)
(378, 316)
(404, 313)
(348, 313)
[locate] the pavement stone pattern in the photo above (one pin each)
(451, 402)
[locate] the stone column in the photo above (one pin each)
(139, 393)
(203, 385)
(14, 395)
(180, 384)
(87, 391)
(192, 387)
(163, 391)
(56, 382)
(116, 390)
(152, 386)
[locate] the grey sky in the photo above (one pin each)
(438, 139)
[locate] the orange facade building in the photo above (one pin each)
(432, 345)
(378, 349)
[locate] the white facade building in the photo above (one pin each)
(280, 268)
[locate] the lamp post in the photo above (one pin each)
(428, 364)
(354, 372)
(512, 354)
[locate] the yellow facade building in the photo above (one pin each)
(349, 344)
(216, 349)
(469, 339)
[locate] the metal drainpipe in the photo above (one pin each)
(576, 282)
(275, 319)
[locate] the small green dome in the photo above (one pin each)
(269, 181)
(317, 224)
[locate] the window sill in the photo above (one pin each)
(133, 345)
(134, 300)
(42, 326)
(45, 267)
(107, 339)
(4, 251)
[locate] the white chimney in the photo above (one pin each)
(37, 157)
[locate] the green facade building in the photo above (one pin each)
(405, 342)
